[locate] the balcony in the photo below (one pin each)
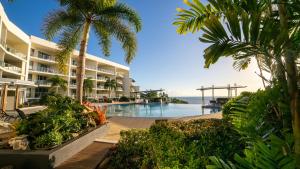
(42, 83)
(90, 77)
(91, 67)
(45, 69)
(120, 75)
(45, 57)
(119, 89)
(99, 78)
(100, 87)
(40, 94)
(12, 50)
(73, 85)
(10, 67)
(120, 81)
(106, 71)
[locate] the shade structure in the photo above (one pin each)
(12, 84)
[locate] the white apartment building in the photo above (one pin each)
(29, 61)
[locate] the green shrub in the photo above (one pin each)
(63, 115)
(132, 149)
(50, 139)
(259, 114)
(177, 145)
(124, 99)
(273, 153)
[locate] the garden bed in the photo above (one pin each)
(43, 159)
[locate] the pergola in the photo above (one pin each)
(13, 84)
(229, 88)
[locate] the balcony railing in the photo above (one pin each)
(119, 89)
(101, 78)
(73, 84)
(43, 82)
(45, 69)
(40, 94)
(120, 81)
(101, 87)
(10, 67)
(12, 50)
(90, 76)
(106, 71)
(45, 57)
(120, 74)
(91, 67)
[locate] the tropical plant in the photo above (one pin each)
(73, 22)
(177, 145)
(111, 85)
(272, 155)
(249, 29)
(61, 121)
(88, 86)
(57, 82)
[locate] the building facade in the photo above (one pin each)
(31, 60)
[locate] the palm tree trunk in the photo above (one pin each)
(292, 77)
(81, 61)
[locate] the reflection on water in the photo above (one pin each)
(157, 110)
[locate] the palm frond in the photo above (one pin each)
(122, 33)
(57, 20)
(192, 20)
(123, 12)
(67, 43)
(104, 38)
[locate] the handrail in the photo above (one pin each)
(12, 50)
(10, 67)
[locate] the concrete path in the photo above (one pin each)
(88, 158)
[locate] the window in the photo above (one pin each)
(42, 77)
(30, 77)
(43, 55)
(32, 52)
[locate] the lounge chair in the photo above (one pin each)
(7, 118)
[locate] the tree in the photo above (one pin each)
(76, 18)
(252, 29)
(110, 84)
(57, 82)
(88, 85)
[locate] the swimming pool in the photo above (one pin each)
(157, 110)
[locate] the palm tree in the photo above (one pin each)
(249, 29)
(110, 84)
(57, 82)
(88, 85)
(106, 18)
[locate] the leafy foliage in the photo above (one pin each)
(273, 154)
(55, 124)
(257, 115)
(124, 99)
(176, 145)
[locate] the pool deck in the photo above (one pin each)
(117, 124)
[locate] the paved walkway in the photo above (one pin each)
(88, 158)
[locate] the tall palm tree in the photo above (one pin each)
(57, 82)
(252, 29)
(111, 85)
(107, 19)
(88, 85)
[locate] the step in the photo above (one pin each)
(88, 158)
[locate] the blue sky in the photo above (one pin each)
(164, 58)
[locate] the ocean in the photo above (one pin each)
(195, 99)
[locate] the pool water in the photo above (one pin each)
(157, 110)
